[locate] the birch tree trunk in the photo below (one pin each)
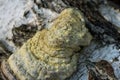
(21, 19)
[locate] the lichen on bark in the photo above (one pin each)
(52, 53)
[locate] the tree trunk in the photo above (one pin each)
(21, 19)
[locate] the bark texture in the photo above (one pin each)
(19, 17)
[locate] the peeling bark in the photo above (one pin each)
(41, 13)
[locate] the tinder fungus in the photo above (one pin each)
(52, 53)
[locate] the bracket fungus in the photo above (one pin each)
(52, 53)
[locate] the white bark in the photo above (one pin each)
(12, 15)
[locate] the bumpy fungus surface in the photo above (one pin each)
(50, 54)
